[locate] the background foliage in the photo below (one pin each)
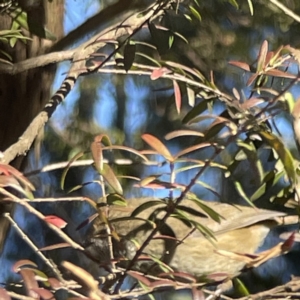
(211, 83)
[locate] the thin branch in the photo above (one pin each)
(38, 214)
(33, 246)
(36, 62)
(286, 10)
(128, 27)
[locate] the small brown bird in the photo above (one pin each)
(240, 229)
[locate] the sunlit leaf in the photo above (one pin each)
(210, 212)
(45, 294)
(180, 133)
(261, 59)
(192, 149)
(241, 192)
(158, 146)
(171, 41)
(149, 58)
(157, 73)
(97, 150)
(191, 96)
(56, 221)
(23, 263)
(283, 153)
(250, 7)
(116, 199)
(111, 179)
(55, 246)
(209, 188)
(239, 286)
(240, 65)
(64, 174)
(281, 74)
(83, 275)
(4, 295)
(177, 94)
(233, 3)
(195, 13)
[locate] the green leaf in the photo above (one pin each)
(250, 7)
(234, 3)
(195, 13)
(209, 188)
(240, 288)
(149, 58)
(147, 205)
(242, 193)
(171, 41)
(283, 153)
(64, 174)
(111, 178)
(211, 213)
(270, 180)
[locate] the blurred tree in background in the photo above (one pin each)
(207, 67)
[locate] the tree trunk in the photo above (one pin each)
(23, 95)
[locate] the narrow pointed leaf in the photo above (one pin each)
(111, 179)
(158, 146)
(262, 56)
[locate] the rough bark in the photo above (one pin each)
(23, 95)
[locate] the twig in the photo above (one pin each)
(33, 246)
(31, 209)
(82, 53)
(286, 10)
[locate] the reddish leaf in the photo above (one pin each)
(140, 277)
(193, 148)
(177, 94)
(7, 170)
(56, 221)
(287, 245)
(29, 282)
(54, 283)
(197, 294)
(45, 294)
(21, 263)
(157, 73)
(241, 65)
(158, 146)
(252, 102)
(278, 73)
(162, 283)
(4, 295)
(183, 275)
(251, 79)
